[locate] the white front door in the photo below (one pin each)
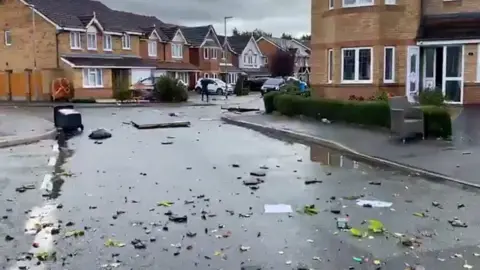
(429, 67)
(453, 73)
(413, 74)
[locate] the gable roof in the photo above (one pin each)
(287, 44)
(197, 35)
(238, 43)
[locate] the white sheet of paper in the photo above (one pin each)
(278, 208)
(374, 203)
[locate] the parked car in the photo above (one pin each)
(272, 84)
(255, 84)
(215, 86)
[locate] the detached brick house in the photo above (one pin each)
(360, 47)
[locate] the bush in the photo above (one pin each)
(170, 90)
(122, 95)
(438, 122)
(268, 100)
(431, 97)
(369, 113)
(239, 89)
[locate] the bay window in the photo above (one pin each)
(92, 78)
(357, 65)
(357, 3)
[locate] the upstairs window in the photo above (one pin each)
(107, 42)
(206, 53)
(177, 51)
(75, 40)
(8, 38)
(126, 42)
(357, 3)
(152, 48)
(214, 53)
(91, 41)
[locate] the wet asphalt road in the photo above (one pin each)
(112, 191)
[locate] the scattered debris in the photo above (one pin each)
(278, 208)
(234, 165)
(310, 182)
(100, 134)
(258, 173)
(138, 244)
(178, 219)
(240, 109)
(420, 214)
(177, 124)
(24, 188)
(113, 243)
(252, 182)
(374, 183)
(75, 233)
(244, 248)
(45, 256)
(310, 210)
(460, 205)
(191, 234)
(167, 143)
(8, 238)
(165, 203)
(342, 223)
(455, 222)
(373, 203)
(437, 204)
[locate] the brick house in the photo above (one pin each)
(205, 52)
(360, 47)
(270, 45)
(229, 70)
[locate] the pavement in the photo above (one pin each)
(18, 126)
(454, 160)
(103, 195)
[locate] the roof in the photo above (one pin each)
(450, 27)
(77, 13)
(237, 43)
(196, 35)
(107, 61)
(176, 66)
(286, 44)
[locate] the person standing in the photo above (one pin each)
(205, 89)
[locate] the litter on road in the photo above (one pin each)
(374, 203)
(278, 208)
(176, 124)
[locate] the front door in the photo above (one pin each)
(429, 67)
(453, 73)
(413, 74)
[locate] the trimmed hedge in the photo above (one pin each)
(369, 113)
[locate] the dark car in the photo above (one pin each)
(272, 84)
(255, 84)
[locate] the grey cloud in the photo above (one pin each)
(275, 16)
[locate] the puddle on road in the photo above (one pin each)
(59, 172)
(328, 157)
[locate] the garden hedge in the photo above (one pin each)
(369, 113)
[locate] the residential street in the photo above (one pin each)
(119, 204)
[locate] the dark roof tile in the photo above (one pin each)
(195, 35)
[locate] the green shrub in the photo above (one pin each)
(239, 86)
(268, 100)
(170, 90)
(431, 97)
(438, 122)
(369, 113)
(122, 95)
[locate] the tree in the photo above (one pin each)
(257, 33)
(306, 37)
(287, 36)
(282, 63)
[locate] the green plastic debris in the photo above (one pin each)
(45, 256)
(358, 233)
(310, 210)
(75, 233)
(165, 203)
(113, 243)
(357, 259)
(376, 226)
(420, 214)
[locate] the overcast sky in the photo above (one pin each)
(274, 16)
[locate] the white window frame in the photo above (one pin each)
(8, 37)
(214, 53)
(357, 66)
(330, 63)
(90, 36)
(392, 67)
(107, 43)
(152, 48)
(92, 78)
(331, 4)
(478, 62)
(390, 2)
(126, 42)
(75, 41)
(224, 54)
(358, 3)
(206, 53)
(177, 51)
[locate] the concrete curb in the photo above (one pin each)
(18, 140)
(106, 105)
(301, 137)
